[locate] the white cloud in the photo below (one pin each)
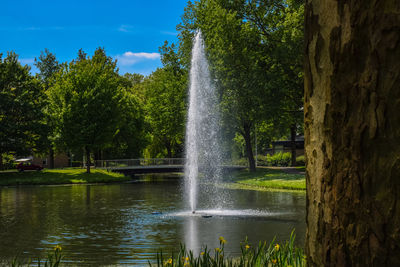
(125, 28)
(169, 33)
(130, 58)
(25, 61)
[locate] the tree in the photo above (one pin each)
(280, 23)
(48, 66)
(130, 138)
(254, 48)
(352, 129)
(21, 117)
(86, 97)
(165, 109)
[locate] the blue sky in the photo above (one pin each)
(130, 31)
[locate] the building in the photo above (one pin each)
(286, 146)
(60, 161)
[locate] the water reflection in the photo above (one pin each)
(114, 224)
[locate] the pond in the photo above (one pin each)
(114, 224)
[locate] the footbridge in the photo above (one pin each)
(156, 165)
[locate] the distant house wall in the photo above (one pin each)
(286, 146)
(60, 161)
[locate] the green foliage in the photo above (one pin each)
(165, 94)
(272, 254)
(279, 159)
(48, 66)
(91, 106)
(21, 103)
(255, 51)
(300, 161)
(130, 137)
(90, 99)
(264, 254)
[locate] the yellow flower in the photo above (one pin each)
(202, 253)
(169, 261)
(187, 258)
(186, 264)
(274, 261)
(277, 247)
(58, 248)
(222, 240)
(217, 249)
(247, 247)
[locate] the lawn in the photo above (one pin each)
(271, 179)
(59, 176)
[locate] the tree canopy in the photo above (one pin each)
(21, 103)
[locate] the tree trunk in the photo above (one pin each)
(169, 149)
(352, 131)
(51, 158)
(293, 144)
(87, 150)
(249, 149)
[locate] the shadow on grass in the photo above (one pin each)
(59, 176)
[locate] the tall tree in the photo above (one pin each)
(48, 66)
(165, 104)
(21, 117)
(86, 97)
(254, 48)
(130, 138)
(280, 23)
(352, 129)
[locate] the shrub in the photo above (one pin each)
(240, 162)
(262, 160)
(300, 161)
(279, 159)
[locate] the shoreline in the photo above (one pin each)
(264, 179)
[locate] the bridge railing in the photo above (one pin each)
(138, 162)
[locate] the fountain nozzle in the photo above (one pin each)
(193, 212)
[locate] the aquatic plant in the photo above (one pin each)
(272, 254)
(53, 259)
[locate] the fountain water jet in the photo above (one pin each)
(203, 153)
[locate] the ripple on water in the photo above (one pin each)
(227, 213)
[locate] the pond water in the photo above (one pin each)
(114, 225)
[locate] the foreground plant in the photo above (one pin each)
(53, 259)
(262, 255)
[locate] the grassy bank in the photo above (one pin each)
(271, 178)
(59, 176)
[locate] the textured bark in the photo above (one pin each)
(87, 150)
(51, 158)
(293, 144)
(352, 130)
(249, 148)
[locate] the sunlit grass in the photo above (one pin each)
(271, 178)
(60, 176)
